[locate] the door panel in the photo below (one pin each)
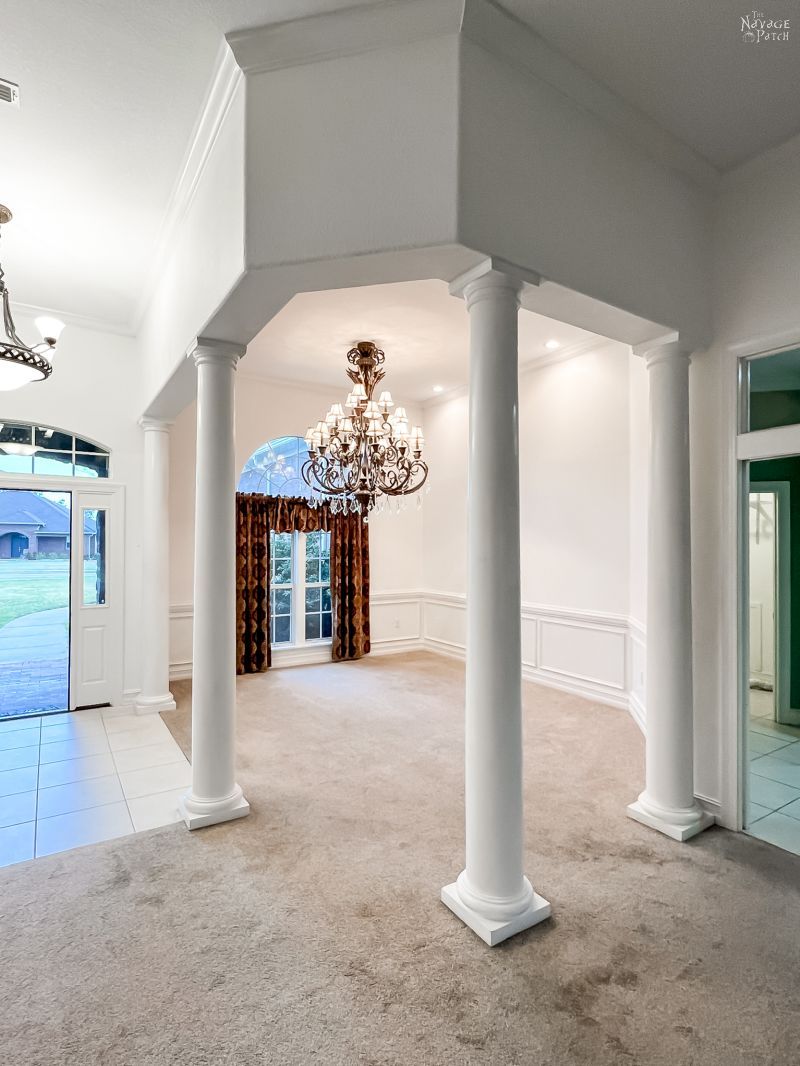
(97, 595)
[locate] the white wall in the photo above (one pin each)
(577, 522)
(94, 391)
(265, 410)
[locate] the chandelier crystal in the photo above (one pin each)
(21, 363)
(360, 455)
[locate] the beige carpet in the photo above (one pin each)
(311, 932)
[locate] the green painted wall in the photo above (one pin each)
(788, 470)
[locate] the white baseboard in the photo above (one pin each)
(591, 654)
(636, 707)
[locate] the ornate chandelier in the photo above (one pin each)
(359, 459)
(21, 363)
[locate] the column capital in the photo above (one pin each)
(210, 350)
(157, 425)
(669, 348)
(492, 274)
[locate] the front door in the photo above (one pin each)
(96, 542)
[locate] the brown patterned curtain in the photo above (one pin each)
(256, 517)
(252, 584)
(349, 586)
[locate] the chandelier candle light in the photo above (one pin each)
(21, 363)
(362, 456)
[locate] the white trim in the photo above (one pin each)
(610, 691)
(491, 27)
(370, 27)
(768, 443)
(224, 84)
(301, 654)
(347, 32)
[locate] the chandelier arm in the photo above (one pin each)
(8, 323)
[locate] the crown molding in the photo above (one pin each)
(346, 32)
(69, 318)
(355, 30)
(224, 83)
(490, 26)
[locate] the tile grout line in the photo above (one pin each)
(116, 771)
(36, 800)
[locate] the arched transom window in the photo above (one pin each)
(49, 452)
(299, 563)
(275, 469)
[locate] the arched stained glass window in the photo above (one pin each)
(275, 469)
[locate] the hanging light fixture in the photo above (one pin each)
(360, 454)
(19, 362)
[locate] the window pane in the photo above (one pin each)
(325, 570)
(282, 571)
(282, 629)
(325, 545)
(313, 545)
(281, 545)
(326, 624)
(312, 570)
(91, 466)
(326, 599)
(312, 627)
(58, 463)
(282, 601)
(94, 557)
(53, 439)
(15, 433)
(774, 390)
(15, 464)
(312, 600)
(86, 446)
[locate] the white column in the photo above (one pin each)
(214, 795)
(492, 895)
(155, 694)
(668, 802)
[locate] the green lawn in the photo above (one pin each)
(27, 586)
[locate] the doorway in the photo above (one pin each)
(773, 721)
(35, 594)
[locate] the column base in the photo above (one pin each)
(198, 813)
(155, 704)
(491, 931)
(679, 824)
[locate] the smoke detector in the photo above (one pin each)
(9, 93)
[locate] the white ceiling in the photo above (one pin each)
(111, 91)
(423, 330)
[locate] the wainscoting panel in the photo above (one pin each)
(583, 652)
(395, 621)
(592, 654)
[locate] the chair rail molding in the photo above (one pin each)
(594, 654)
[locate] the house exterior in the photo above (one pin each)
(32, 524)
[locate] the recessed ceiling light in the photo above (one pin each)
(551, 345)
(438, 388)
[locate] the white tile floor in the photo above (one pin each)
(72, 779)
(773, 806)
